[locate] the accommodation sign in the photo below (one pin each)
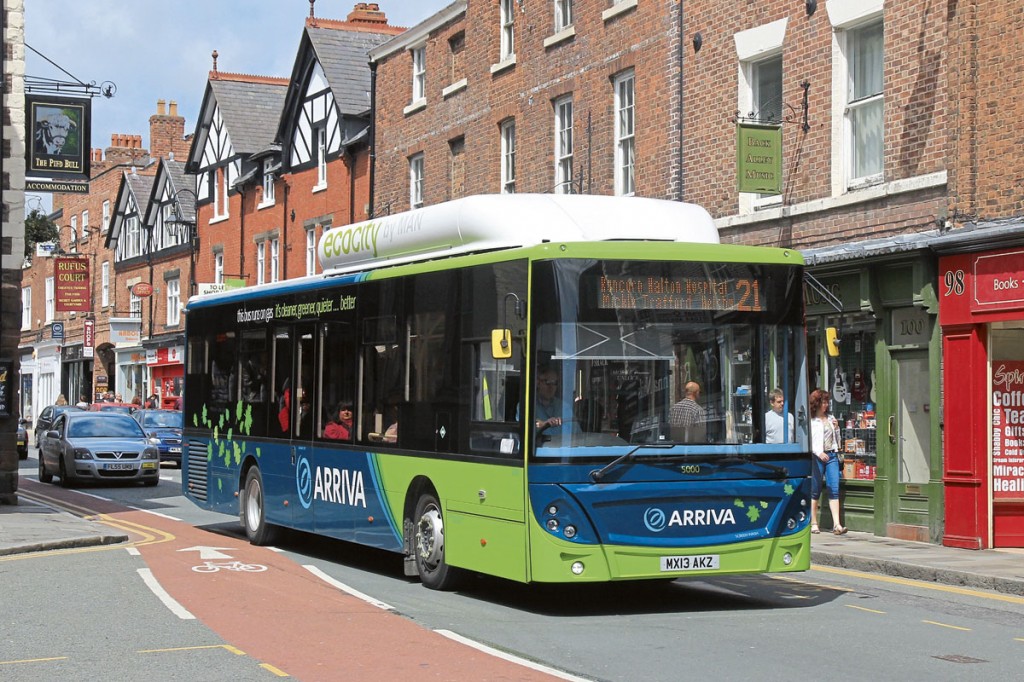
(1007, 430)
(759, 159)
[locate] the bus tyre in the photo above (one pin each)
(44, 475)
(252, 510)
(428, 546)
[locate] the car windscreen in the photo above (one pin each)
(104, 427)
(162, 420)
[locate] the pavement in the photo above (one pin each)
(32, 527)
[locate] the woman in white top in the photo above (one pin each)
(825, 446)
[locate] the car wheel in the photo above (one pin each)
(65, 480)
(44, 475)
(253, 512)
(428, 546)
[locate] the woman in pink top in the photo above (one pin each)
(340, 428)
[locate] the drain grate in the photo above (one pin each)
(956, 658)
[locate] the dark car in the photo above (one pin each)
(22, 440)
(97, 446)
(120, 408)
(164, 430)
(47, 417)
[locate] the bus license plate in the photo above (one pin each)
(699, 562)
(120, 466)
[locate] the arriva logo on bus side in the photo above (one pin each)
(339, 486)
(347, 240)
(657, 520)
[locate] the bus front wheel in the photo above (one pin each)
(252, 508)
(428, 548)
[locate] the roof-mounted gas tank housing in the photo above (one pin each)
(500, 221)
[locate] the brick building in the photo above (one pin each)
(69, 365)
(491, 96)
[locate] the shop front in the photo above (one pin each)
(982, 312)
(76, 374)
(884, 383)
(168, 374)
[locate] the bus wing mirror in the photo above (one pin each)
(501, 343)
(832, 340)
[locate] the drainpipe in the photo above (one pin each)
(373, 135)
(241, 233)
(679, 61)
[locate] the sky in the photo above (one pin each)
(160, 49)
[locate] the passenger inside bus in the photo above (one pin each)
(340, 425)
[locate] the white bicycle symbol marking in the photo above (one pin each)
(213, 567)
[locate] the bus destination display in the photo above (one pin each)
(681, 293)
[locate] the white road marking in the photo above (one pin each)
(161, 594)
(163, 516)
(509, 657)
(348, 590)
(134, 551)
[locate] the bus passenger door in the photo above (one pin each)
(303, 424)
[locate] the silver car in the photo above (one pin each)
(97, 446)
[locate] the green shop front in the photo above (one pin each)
(885, 382)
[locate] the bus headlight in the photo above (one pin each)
(552, 525)
(569, 532)
(577, 568)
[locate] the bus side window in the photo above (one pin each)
(337, 369)
(281, 380)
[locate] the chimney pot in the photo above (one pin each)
(113, 139)
(160, 107)
(174, 108)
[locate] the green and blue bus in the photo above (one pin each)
(515, 368)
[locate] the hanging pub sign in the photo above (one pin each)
(759, 158)
(72, 292)
(58, 138)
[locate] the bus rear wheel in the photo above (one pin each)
(428, 546)
(252, 510)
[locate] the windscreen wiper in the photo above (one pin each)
(597, 474)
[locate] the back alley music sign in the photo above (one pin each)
(58, 136)
(1007, 429)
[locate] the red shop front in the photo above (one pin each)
(166, 365)
(981, 310)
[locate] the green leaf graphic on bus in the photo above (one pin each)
(788, 489)
(738, 503)
(225, 429)
(753, 513)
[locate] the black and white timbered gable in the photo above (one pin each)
(171, 205)
(127, 235)
(329, 106)
(238, 118)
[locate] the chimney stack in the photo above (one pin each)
(159, 107)
(367, 13)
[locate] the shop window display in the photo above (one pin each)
(851, 379)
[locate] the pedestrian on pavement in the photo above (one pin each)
(688, 418)
(776, 424)
(61, 400)
(825, 446)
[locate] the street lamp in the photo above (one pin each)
(182, 226)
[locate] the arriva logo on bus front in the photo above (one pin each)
(347, 240)
(657, 520)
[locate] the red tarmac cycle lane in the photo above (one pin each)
(285, 616)
(290, 619)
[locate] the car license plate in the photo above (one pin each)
(174, 451)
(21, 441)
(697, 562)
(119, 466)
